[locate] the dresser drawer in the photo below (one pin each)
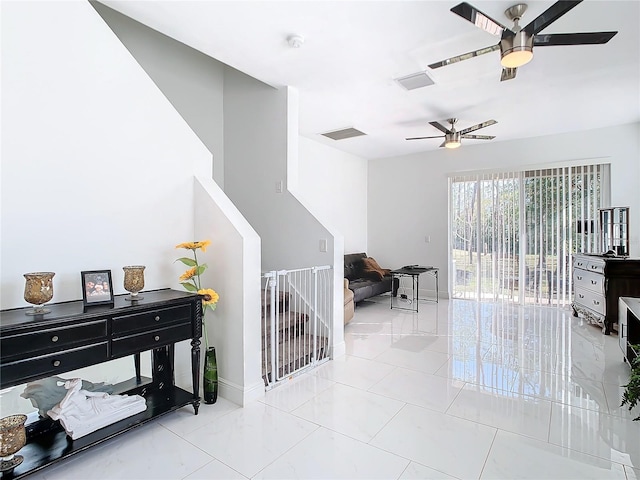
(581, 263)
(589, 280)
(29, 344)
(592, 300)
(156, 318)
(52, 364)
(596, 266)
(149, 340)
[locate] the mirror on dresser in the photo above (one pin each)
(614, 231)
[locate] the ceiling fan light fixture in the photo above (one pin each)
(452, 140)
(516, 58)
(516, 50)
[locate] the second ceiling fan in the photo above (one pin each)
(516, 43)
(453, 138)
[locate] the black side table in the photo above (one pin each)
(414, 273)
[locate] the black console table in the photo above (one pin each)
(414, 273)
(72, 336)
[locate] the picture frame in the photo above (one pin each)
(97, 287)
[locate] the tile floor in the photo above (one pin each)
(460, 390)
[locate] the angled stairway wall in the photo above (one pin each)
(251, 130)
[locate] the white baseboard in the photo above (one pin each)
(338, 350)
(228, 390)
(238, 394)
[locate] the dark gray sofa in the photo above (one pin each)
(362, 284)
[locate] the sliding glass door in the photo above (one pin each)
(513, 233)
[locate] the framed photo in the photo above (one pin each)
(96, 287)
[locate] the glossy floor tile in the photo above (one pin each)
(250, 438)
(460, 390)
(507, 411)
(445, 443)
(515, 456)
(350, 411)
(328, 454)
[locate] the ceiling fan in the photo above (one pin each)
(516, 43)
(452, 138)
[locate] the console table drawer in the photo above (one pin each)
(149, 340)
(53, 364)
(591, 300)
(153, 319)
(589, 280)
(29, 344)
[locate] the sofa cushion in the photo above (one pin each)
(353, 265)
(364, 288)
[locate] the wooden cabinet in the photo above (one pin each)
(599, 282)
(72, 336)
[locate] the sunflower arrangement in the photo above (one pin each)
(190, 279)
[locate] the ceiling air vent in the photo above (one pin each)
(344, 133)
(415, 80)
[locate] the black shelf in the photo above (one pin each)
(54, 445)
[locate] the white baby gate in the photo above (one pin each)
(297, 316)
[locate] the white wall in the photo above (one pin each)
(408, 195)
(96, 165)
(334, 185)
(191, 80)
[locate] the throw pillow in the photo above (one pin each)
(373, 270)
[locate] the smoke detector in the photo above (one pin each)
(295, 41)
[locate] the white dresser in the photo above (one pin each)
(598, 282)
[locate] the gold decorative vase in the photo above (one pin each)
(133, 281)
(38, 290)
(12, 438)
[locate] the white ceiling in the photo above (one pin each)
(353, 50)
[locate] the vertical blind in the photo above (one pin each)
(513, 233)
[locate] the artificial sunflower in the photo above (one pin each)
(187, 245)
(190, 279)
(209, 297)
(189, 274)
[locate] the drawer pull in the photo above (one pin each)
(161, 385)
(578, 277)
(593, 282)
(57, 363)
(160, 368)
(580, 295)
(157, 318)
(54, 338)
(595, 302)
(156, 338)
(593, 267)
